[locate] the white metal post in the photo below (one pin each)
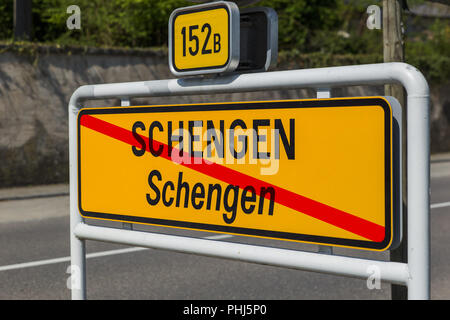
(415, 274)
(418, 163)
(77, 245)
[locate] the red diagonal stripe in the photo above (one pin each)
(320, 211)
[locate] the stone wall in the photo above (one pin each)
(35, 88)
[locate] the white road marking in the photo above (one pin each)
(133, 249)
(92, 255)
(34, 264)
(440, 205)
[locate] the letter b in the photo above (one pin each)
(216, 42)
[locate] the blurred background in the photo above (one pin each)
(42, 61)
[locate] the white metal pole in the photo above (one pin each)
(418, 197)
(309, 261)
(77, 245)
(418, 267)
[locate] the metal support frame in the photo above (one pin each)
(415, 274)
(324, 93)
(125, 102)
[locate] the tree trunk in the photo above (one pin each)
(393, 46)
(22, 20)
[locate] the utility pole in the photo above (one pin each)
(22, 20)
(393, 47)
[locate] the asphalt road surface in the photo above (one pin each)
(35, 257)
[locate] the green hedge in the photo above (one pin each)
(329, 26)
(434, 66)
(312, 33)
(308, 25)
(432, 56)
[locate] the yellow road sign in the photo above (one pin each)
(204, 38)
(318, 171)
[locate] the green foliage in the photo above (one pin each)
(328, 26)
(432, 55)
(6, 18)
(314, 29)
(299, 22)
(293, 59)
(306, 25)
(135, 23)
